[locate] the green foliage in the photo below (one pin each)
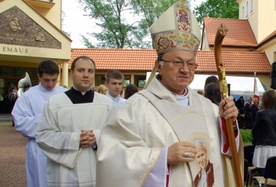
(62, 23)
(126, 23)
(123, 23)
(86, 42)
(246, 136)
(115, 30)
(217, 9)
(151, 9)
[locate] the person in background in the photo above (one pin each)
(254, 109)
(211, 79)
(130, 90)
(70, 127)
(264, 131)
(114, 83)
(94, 88)
(152, 134)
(12, 99)
(26, 114)
(212, 92)
(240, 106)
(102, 89)
(247, 113)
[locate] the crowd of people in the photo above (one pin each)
(247, 111)
(57, 122)
(260, 118)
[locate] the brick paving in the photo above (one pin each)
(12, 155)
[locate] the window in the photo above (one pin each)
(251, 5)
(140, 81)
(126, 82)
(246, 10)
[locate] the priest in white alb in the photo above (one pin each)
(69, 129)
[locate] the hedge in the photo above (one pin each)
(246, 136)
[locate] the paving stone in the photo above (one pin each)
(12, 155)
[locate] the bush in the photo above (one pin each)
(246, 136)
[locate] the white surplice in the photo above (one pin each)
(58, 135)
(117, 101)
(131, 143)
(26, 114)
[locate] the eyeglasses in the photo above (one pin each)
(180, 64)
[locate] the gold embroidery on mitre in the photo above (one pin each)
(179, 38)
(183, 18)
(176, 40)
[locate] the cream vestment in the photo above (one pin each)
(130, 144)
(58, 135)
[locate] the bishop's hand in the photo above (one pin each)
(181, 152)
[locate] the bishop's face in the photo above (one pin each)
(177, 69)
(83, 75)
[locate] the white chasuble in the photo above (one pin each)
(194, 123)
(58, 136)
(151, 120)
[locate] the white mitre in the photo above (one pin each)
(176, 29)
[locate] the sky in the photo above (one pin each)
(76, 24)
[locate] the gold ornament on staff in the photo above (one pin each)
(221, 32)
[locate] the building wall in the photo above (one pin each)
(270, 51)
(53, 14)
(260, 18)
(30, 33)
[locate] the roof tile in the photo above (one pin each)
(239, 31)
(235, 62)
(143, 60)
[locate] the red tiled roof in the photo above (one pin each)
(120, 59)
(239, 32)
(234, 62)
(143, 60)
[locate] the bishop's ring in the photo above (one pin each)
(186, 154)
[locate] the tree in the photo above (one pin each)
(217, 9)
(150, 9)
(109, 17)
(62, 25)
(124, 23)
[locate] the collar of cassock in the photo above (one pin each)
(181, 99)
(78, 97)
